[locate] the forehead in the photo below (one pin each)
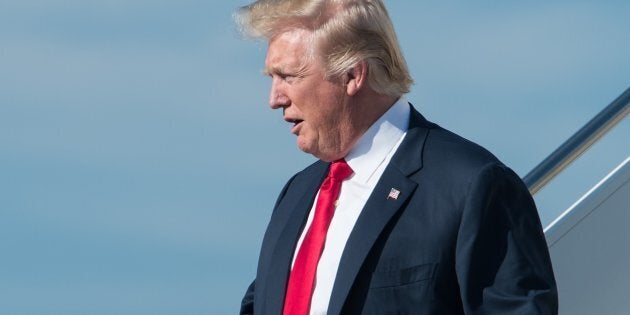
(288, 49)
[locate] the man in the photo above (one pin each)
(398, 216)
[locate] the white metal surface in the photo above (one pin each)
(590, 249)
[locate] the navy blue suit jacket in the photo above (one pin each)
(463, 237)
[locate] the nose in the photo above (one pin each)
(277, 97)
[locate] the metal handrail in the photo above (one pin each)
(578, 143)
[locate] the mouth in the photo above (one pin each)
(296, 124)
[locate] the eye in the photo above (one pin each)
(286, 77)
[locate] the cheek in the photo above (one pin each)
(320, 107)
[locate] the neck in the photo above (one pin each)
(367, 107)
(370, 106)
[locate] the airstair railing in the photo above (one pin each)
(578, 143)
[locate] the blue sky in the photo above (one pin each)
(139, 160)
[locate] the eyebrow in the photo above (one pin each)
(302, 71)
(269, 71)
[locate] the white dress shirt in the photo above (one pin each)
(368, 159)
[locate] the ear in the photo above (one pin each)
(356, 78)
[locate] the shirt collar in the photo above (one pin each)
(379, 140)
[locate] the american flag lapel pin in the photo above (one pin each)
(393, 194)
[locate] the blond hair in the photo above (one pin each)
(345, 32)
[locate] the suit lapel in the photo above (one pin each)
(380, 208)
(293, 212)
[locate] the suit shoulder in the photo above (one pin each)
(444, 147)
(453, 162)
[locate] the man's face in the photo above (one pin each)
(317, 107)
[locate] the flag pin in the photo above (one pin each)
(393, 194)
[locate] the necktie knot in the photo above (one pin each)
(340, 170)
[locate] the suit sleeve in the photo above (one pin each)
(502, 261)
(247, 304)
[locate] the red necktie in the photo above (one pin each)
(302, 278)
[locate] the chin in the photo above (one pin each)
(311, 147)
(305, 148)
(312, 152)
